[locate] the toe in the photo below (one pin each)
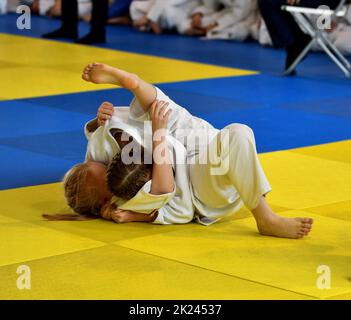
(307, 221)
(307, 230)
(86, 70)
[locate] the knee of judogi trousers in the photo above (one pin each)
(239, 158)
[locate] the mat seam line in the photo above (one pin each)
(219, 272)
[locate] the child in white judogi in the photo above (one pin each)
(192, 183)
(48, 7)
(162, 14)
(175, 207)
(259, 31)
(341, 36)
(226, 19)
(217, 189)
(223, 176)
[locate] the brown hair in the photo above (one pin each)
(125, 180)
(81, 198)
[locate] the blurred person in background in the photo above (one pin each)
(283, 28)
(160, 15)
(69, 27)
(224, 19)
(118, 12)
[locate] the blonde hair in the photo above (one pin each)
(81, 198)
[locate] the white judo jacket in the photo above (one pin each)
(176, 207)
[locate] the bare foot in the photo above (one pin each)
(100, 73)
(270, 224)
(276, 226)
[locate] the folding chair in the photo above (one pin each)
(305, 18)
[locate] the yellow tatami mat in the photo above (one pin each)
(338, 151)
(113, 272)
(340, 210)
(229, 260)
(32, 202)
(52, 67)
(300, 181)
(236, 249)
(20, 242)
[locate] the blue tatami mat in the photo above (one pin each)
(283, 113)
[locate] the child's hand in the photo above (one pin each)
(107, 210)
(196, 21)
(104, 113)
(159, 114)
(110, 212)
(122, 216)
(155, 27)
(141, 23)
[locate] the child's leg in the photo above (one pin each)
(100, 73)
(248, 178)
(239, 166)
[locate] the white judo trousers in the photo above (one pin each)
(228, 174)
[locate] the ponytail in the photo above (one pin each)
(69, 217)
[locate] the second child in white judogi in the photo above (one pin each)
(226, 19)
(340, 35)
(162, 15)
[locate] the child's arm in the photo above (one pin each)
(122, 216)
(111, 212)
(162, 171)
